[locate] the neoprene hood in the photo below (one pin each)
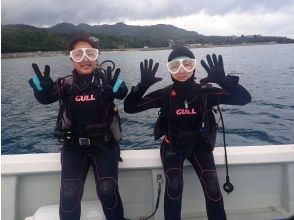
(180, 51)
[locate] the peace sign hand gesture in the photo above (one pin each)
(41, 81)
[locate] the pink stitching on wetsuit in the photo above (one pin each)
(61, 156)
(147, 102)
(166, 175)
(79, 197)
(167, 182)
(202, 180)
(222, 92)
(115, 183)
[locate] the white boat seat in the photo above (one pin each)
(91, 210)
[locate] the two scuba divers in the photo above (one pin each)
(88, 125)
(187, 123)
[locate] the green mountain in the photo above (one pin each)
(25, 38)
(160, 31)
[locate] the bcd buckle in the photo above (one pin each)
(84, 141)
(67, 135)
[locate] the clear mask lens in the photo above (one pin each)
(186, 63)
(78, 54)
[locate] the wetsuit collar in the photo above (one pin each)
(187, 89)
(182, 85)
(82, 77)
(82, 81)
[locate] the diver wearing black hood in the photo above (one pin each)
(187, 123)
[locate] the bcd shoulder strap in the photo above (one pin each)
(162, 127)
(161, 124)
(62, 121)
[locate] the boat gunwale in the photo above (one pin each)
(150, 158)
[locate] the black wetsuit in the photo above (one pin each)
(185, 115)
(89, 111)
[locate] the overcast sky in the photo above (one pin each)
(210, 17)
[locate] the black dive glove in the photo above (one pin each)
(215, 70)
(41, 81)
(109, 82)
(148, 73)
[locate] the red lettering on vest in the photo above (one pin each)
(84, 98)
(185, 111)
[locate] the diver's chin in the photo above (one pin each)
(181, 78)
(86, 70)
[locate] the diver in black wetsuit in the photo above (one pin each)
(187, 123)
(88, 125)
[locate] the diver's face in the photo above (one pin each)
(182, 75)
(86, 66)
(181, 68)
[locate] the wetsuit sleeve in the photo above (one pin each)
(232, 93)
(134, 102)
(51, 95)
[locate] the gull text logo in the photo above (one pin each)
(85, 98)
(186, 111)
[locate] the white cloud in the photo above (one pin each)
(226, 17)
(277, 24)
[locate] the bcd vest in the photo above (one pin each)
(65, 130)
(204, 133)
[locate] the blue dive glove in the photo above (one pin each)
(117, 85)
(41, 81)
(114, 81)
(111, 84)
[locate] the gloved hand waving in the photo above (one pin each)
(112, 80)
(110, 83)
(41, 81)
(148, 73)
(214, 69)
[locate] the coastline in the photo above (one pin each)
(32, 54)
(56, 53)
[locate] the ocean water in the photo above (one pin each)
(267, 71)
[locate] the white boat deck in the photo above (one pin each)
(90, 213)
(247, 214)
(263, 177)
